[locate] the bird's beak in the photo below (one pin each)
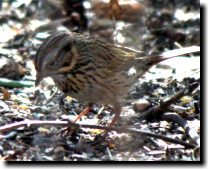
(39, 78)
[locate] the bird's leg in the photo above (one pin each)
(117, 111)
(84, 112)
(68, 130)
(117, 108)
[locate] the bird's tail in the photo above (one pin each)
(154, 59)
(143, 64)
(181, 51)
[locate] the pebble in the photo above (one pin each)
(141, 105)
(4, 108)
(38, 115)
(38, 109)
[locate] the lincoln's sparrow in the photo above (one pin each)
(91, 70)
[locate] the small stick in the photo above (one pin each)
(159, 109)
(12, 126)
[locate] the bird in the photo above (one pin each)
(93, 71)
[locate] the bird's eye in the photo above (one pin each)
(53, 63)
(66, 63)
(66, 60)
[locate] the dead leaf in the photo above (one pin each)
(6, 94)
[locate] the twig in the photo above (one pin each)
(157, 112)
(183, 123)
(109, 154)
(12, 126)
